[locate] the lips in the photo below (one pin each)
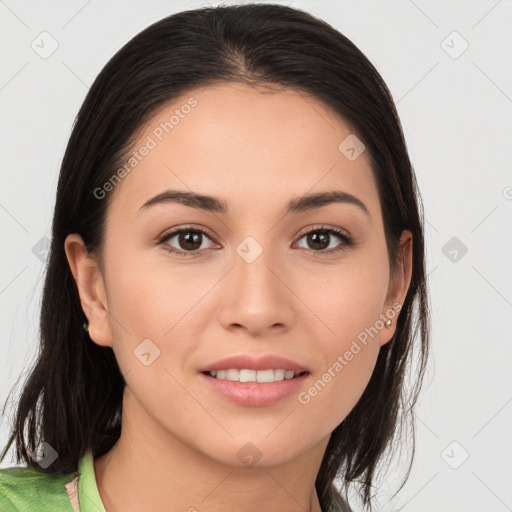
(250, 362)
(255, 394)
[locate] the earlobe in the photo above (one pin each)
(398, 287)
(91, 289)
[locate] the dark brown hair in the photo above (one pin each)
(266, 44)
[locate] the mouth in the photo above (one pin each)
(257, 376)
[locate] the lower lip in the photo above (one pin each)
(255, 394)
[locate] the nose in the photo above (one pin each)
(256, 294)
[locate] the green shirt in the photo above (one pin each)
(34, 490)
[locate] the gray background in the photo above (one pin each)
(455, 104)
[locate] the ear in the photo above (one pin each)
(91, 289)
(398, 286)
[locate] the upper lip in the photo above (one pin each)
(250, 362)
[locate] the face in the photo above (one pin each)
(186, 286)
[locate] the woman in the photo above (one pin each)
(237, 252)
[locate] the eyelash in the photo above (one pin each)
(346, 239)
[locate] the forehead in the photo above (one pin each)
(252, 146)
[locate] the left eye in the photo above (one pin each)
(320, 239)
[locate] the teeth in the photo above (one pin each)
(252, 375)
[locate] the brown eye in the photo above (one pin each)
(188, 241)
(324, 240)
(318, 239)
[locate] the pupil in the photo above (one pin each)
(319, 240)
(190, 240)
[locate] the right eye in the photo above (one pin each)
(188, 239)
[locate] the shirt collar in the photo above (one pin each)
(88, 494)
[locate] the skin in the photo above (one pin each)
(255, 149)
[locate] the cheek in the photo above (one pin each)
(148, 295)
(334, 392)
(151, 300)
(348, 298)
(349, 359)
(349, 303)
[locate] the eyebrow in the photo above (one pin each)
(297, 205)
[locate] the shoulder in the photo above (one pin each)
(32, 489)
